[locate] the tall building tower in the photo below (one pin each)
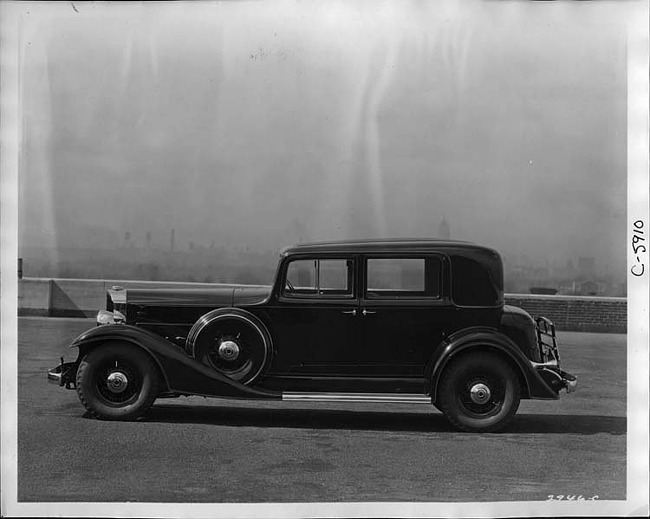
(443, 229)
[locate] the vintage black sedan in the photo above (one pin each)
(402, 321)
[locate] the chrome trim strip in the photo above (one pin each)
(383, 398)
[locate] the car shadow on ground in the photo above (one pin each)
(375, 420)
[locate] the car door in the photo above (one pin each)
(314, 320)
(403, 312)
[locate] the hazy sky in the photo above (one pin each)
(250, 123)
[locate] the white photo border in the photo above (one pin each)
(636, 504)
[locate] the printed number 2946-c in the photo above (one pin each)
(562, 497)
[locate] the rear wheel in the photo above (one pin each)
(479, 392)
(117, 381)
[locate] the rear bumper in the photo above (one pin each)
(63, 375)
(570, 382)
(556, 378)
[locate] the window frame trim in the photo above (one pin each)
(284, 296)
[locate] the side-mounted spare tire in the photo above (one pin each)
(231, 341)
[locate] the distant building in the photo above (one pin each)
(589, 288)
(586, 265)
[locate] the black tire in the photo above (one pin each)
(479, 392)
(236, 345)
(117, 381)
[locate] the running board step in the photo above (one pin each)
(378, 398)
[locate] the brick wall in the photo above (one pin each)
(575, 313)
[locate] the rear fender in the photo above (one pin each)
(479, 338)
(182, 374)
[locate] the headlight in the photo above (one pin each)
(106, 317)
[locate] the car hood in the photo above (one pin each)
(222, 295)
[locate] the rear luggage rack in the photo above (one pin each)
(546, 340)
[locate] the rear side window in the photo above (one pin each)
(474, 283)
(402, 277)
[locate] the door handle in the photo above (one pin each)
(367, 312)
(350, 312)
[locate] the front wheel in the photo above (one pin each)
(116, 381)
(479, 392)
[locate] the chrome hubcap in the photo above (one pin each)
(228, 350)
(117, 382)
(480, 393)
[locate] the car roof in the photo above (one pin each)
(384, 245)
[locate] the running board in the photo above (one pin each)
(377, 398)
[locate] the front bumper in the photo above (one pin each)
(63, 375)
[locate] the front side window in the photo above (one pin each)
(319, 278)
(402, 277)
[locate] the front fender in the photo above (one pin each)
(182, 374)
(486, 339)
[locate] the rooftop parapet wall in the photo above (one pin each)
(576, 313)
(84, 297)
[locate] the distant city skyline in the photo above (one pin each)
(148, 120)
